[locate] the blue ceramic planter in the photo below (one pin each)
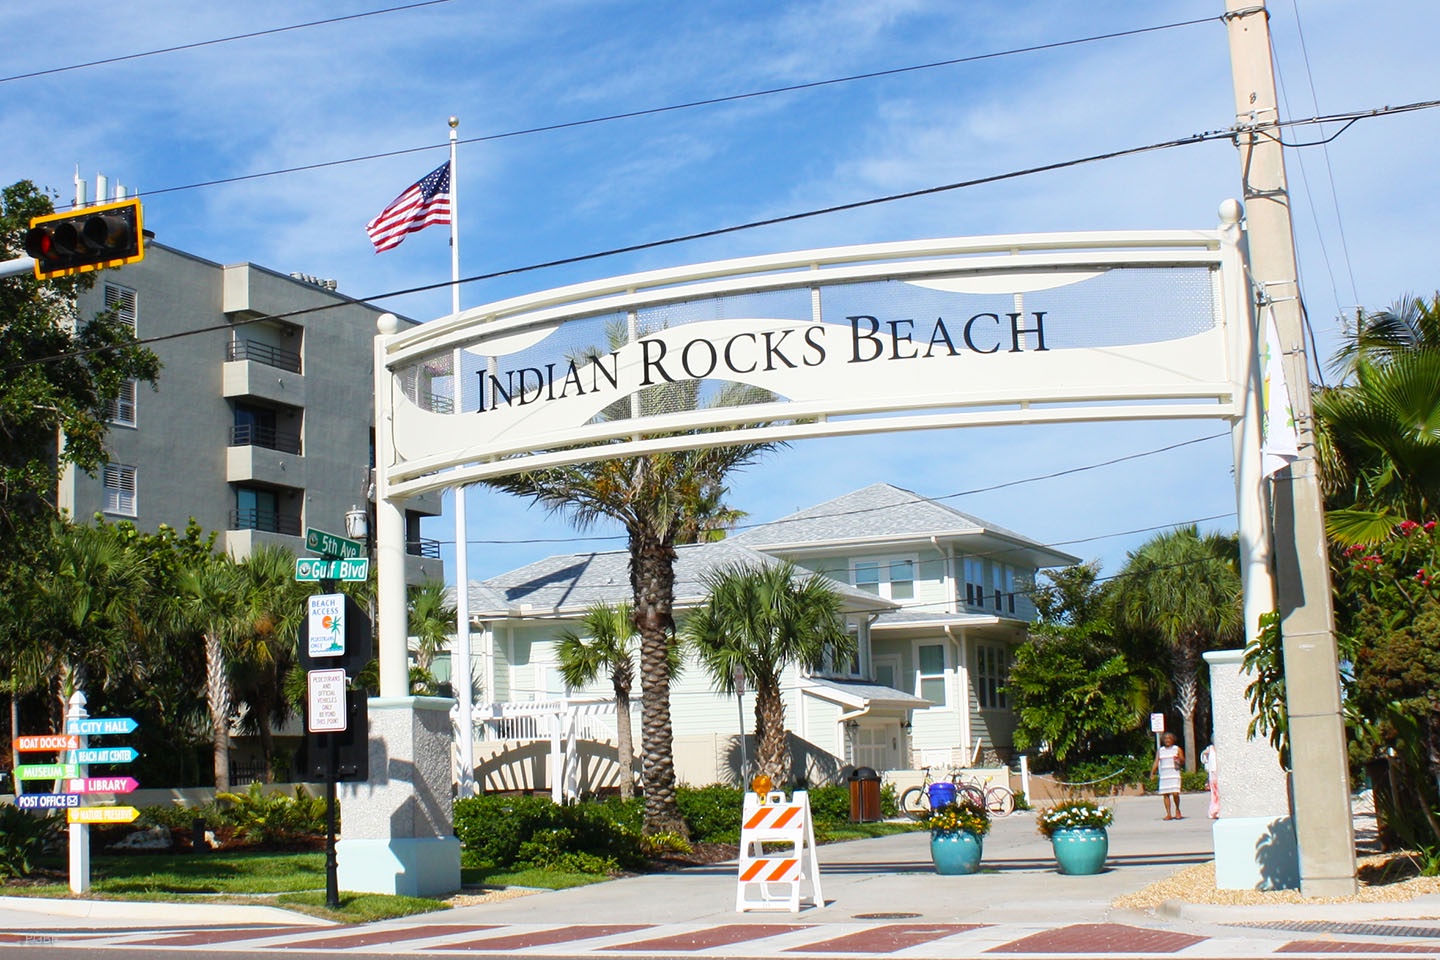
(1080, 851)
(955, 852)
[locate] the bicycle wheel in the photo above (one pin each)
(970, 795)
(915, 803)
(1000, 801)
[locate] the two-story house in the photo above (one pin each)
(937, 600)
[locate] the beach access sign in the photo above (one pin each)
(326, 625)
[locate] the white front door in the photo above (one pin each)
(877, 744)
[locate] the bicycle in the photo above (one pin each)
(915, 801)
(999, 800)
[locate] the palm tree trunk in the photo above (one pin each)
(652, 577)
(1187, 685)
(772, 759)
(624, 743)
(217, 699)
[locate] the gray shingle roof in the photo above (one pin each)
(568, 583)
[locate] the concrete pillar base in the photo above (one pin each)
(1256, 853)
(410, 868)
(397, 829)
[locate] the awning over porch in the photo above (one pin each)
(857, 697)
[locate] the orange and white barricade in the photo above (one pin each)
(776, 836)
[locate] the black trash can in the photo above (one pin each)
(864, 795)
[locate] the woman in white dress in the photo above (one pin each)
(1169, 759)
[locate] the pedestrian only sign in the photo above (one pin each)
(327, 705)
(327, 625)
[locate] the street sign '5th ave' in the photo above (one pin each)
(329, 545)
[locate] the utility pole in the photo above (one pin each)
(1320, 790)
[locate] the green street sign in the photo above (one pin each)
(46, 771)
(315, 568)
(331, 546)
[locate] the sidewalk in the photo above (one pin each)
(880, 895)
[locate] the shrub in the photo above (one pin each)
(713, 813)
(23, 838)
(272, 818)
(505, 831)
(1106, 775)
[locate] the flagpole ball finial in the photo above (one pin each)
(454, 122)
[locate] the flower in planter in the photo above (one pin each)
(957, 817)
(1073, 814)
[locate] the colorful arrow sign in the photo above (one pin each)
(104, 755)
(48, 741)
(47, 801)
(102, 785)
(101, 814)
(91, 726)
(46, 771)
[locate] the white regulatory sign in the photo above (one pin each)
(1157, 723)
(326, 713)
(327, 625)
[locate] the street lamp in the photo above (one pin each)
(738, 675)
(357, 523)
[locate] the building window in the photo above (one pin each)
(974, 581)
(891, 577)
(119, 481)
(1010, 589)
(121, 410)
(992, 672)
(122, 301)
(931, 658)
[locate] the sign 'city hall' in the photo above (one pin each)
(901, 336)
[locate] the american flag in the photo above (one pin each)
(418, 207)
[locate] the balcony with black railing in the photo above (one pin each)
(266, 521)
(424, 547)
(255, 435)
(264, 353)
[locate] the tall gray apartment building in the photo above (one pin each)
(257, 428)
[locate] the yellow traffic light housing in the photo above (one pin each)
(91, 238)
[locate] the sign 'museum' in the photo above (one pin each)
(883, 337)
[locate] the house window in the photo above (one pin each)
(931, 658)
(119, 481)
(121, 410)
(974, 581)
(1010, 589)
(122, 301)
(256, 510)
(992, 671)
(891, 577)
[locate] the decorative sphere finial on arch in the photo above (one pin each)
(387, 323)
(1231, 211)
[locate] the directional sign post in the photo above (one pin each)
(47, 741)
(93, 726)
(47, 801)
(315, 568)
(329, 545)
(104, 755)
(46, 771)
(102, 785)
(101, 814)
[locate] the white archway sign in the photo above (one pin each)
(1039, 328)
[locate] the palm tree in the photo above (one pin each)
(90, 586)
(607, 646)
(660, 499)
(1411, 324)
(272, 605)
(210, 602)
(762, 619)
(432, 620)
(1184, 589)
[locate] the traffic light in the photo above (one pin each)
(88, 239)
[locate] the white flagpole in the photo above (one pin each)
(460, 660)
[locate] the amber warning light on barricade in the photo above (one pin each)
(91, 238)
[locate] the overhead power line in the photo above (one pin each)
(669, 108)
(217, 40)
(1197, 138)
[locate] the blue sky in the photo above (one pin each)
(1364, 205)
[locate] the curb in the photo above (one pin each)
(199, 913)
(1425, 906)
